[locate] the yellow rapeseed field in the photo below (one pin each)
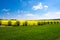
(4, 22)
(29, 22)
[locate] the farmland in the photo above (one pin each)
(45, 32)
(28, 22)
(29, 29)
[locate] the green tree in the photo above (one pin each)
(17, 23)
(9, 23)
(57, 22)
(38, 23)
(54, 22)
(41, 23)
(47, 22)
(51, 22)
(25, 23)
(0, 22)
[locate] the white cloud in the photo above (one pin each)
(58, 13)
(48, 15)
(37, 7)
(5, 10)
(46, 7)
(53, 15)
(30, 15)
(40, 6)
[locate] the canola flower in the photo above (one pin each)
(29, 22)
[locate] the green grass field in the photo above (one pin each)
(45, 32)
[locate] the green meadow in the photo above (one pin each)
(44, 32)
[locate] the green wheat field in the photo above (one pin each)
(44, 32)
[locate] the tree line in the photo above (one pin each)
(26, 23)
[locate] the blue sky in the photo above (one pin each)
(29, 9)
